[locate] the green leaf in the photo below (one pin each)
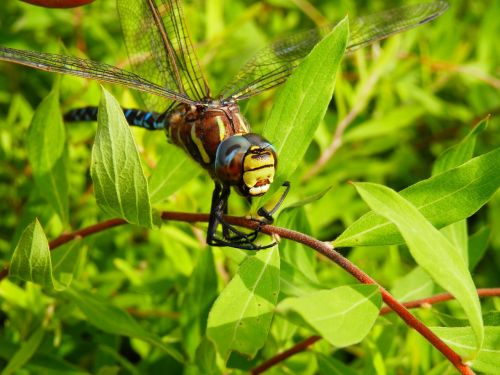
(293, 282)
(31, 258)
(65, 260)
(415, 285)
(44, 363)
(451, 158)
(343, 316)
(461, 339)
(302, 103)
(25, 352)
(330, 366)
(478, 244)
(121, 188)
(200, 294)
(295, 253)
(241, 315)
(430, 249)
(443, 199)
(46, 143)
(172, 172)
(100, 313)
(206, 359)
(460, 153)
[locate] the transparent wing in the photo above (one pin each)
(87, 69)
(160, 49)
(274, 64)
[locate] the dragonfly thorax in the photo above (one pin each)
(199, 129)
(218, 137)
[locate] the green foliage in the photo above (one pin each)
(304, 100)
(46, 145)
(121, 188)
(31, 258)
(443, 199)
(343, 316)
(240, 317)
(138, 300)
(430, 249)
(113, 320)
(460, 338)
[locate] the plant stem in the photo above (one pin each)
(304, 344)
(323, 248)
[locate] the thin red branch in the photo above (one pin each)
(443, 297)
(323, 248)
(304, 344)
(297, 348)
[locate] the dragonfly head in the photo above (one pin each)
(247, 162)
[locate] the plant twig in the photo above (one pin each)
(323, 248)
(304, 344)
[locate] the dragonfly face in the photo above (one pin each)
(212, 132)
(248, 162)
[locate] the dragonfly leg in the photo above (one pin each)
(268, 215)
(230, 235)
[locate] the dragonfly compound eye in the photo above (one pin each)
(247, 162)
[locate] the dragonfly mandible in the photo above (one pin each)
(210, 129)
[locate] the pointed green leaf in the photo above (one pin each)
(172, 172)
(343, 316)
(200, 294)
(302, 103)
(121, 188)
(25, 352)
(443, 199)
(241, 315)
(451, 158)
(461, 339)
(430, 249)
(31, 258)
(460, 153)
(100, 313)
(46, 143)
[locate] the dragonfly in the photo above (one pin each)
(211, 129)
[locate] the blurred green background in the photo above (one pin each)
(415, 95)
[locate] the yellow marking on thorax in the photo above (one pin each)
(170, 133)
(179, 138)
(199, 145)
(222, 128)
(242, 123)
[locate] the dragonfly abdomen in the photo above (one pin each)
(135, 117)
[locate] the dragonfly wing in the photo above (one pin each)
(87, 69)
(274, 64)
(160, 49)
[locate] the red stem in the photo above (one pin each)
(324, 248)
(303, 345)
